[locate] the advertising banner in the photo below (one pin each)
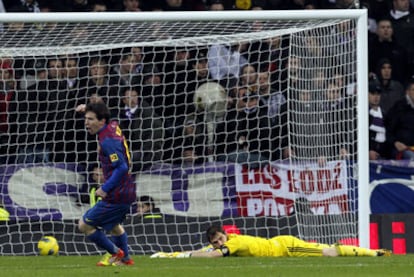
(51, 192)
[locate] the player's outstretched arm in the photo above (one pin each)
(203, 254)
(188, 254)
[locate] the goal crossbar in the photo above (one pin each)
(178, 16)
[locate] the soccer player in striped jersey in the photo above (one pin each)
(117, 192)
(279, 246)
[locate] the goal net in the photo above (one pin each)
(245, 119)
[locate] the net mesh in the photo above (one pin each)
(245, 123)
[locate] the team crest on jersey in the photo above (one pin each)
(114, 157)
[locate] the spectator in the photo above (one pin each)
(71, 72)
(98, 180)
(138, 54)
(199, 70)
(270, 55)
(143, 130)
(292, 73)
(153, 91)
(347, 86)
(59, 98)
(248, 75)
(99, 6)
(114, 5)
(276, 106)
(35, 71)
(95, 180)
(226, 61)
(36, 102)
(304, 130)
(377, 132)
(26, 6)
(198, 75)
(80, 6)
(66, 5)
(403, 23)
(259, 5)
(77, 36)
(242, 5)
(175, 5)
(44, 102)
(140, 67)
(216, 5)
(125, 70)
(273, 99)
(321, 121)
(176, 70)
(391, 90)
(335, 121)
(400, 127)
(146, 207)
(67, 124)
(194, 143)
(244, 134)
(46, 8)
(131, 5)
(378, 9)
(338, 4)
(383, 45)
(8, 73)
(299, 5)
(7, 91)
(55, 72)
(98, 82)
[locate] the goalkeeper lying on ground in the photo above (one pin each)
(280, 246)
(229, 229)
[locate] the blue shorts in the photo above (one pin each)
(106, 215)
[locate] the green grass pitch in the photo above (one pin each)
(74, 266)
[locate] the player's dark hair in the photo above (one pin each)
(147, 200)
(212, 231)
(409, 84)
(100, 109)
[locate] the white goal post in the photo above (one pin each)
(301, 169)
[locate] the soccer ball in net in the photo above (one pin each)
(47, 246)
(211, 98)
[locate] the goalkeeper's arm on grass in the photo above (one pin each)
(207, 252)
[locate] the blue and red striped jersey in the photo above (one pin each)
(115, 160)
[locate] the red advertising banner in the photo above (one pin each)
(273, 189)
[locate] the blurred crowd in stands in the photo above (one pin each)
(379, 7)
(150, 91)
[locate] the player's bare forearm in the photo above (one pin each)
(203, 254)
(100, 193)
(188, 254)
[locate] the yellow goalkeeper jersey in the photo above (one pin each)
(279, 246)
